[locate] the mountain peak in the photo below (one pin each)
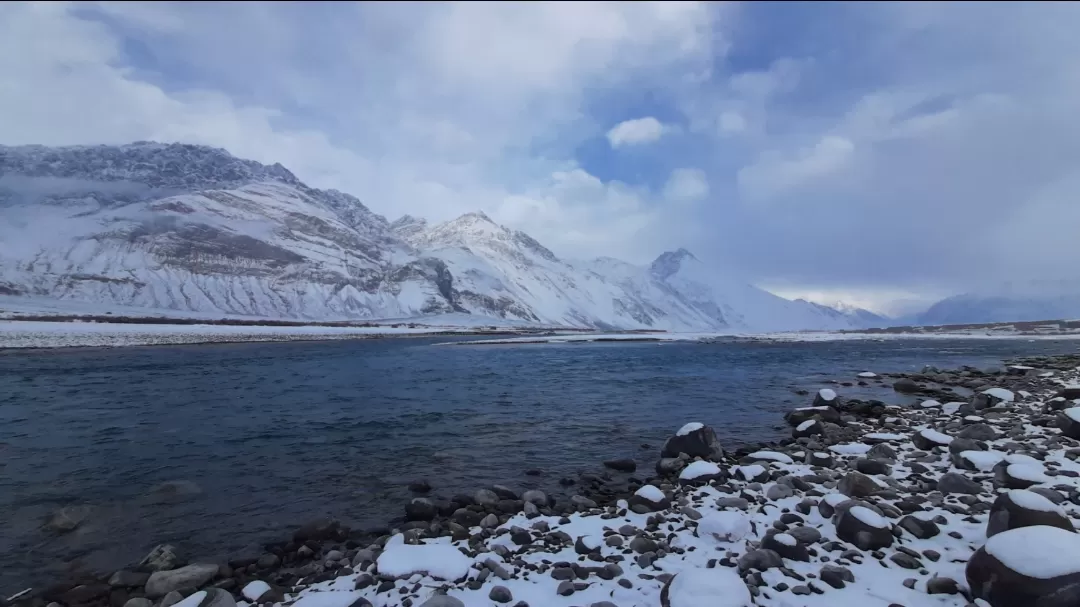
(166, 166)
(669, 262)
(475, 216)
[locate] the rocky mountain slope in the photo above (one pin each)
(191, 228)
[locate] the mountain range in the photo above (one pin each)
(192, 228)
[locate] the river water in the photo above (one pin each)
(273, 435)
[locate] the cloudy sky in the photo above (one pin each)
(873, 152)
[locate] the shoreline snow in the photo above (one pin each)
(21, 334)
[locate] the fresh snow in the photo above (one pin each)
(1030, 500)
(698, 469)
(1002, 393)
(650, 493)
(806, 424)
(748, 472)
(983, 460)
(1028, 472)
(717, 587)
(255, 589)
(850, 448)
(827, 394)
(951, 408)
(869, 517)
(1073, 413)
(935, 437)
(1039, 552)
(688, 428)
(28, 334)
(1020, 458)
(883, 436)
(773, 456)
(785, 539)
(725, 526)
(930, 404)
(192, 600)
(440, 561)
(868, 375)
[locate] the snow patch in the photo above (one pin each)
(699, 469)
(651, 493)
(1029, 500)
(827, 394)
(772, 456)
(1002, 393)
(717, 587)
(725, 526)
(1039, 552)
(441, 561)
(869, 517)
(688, 428)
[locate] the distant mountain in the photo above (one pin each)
(860, 316)
(1016, 301)
(191, 228)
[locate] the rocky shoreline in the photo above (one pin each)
(866, 503)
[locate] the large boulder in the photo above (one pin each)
(857, 484)
(695, 440)
(1069, 422)
(864, 528)
(826, 397)
(1070, 392)
(717, 587)
(1020, 508)
(648, 499)
(162, 558)
(1020, 476)
(701, 472)
(907, 386)
(161, 583)
(1027, 567)
(928, 438)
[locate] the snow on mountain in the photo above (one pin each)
(191, 228)
(1014, 301)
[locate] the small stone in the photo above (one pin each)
(565, 588)
(942, 585)
(500, 594)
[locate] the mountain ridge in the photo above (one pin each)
(186, 227)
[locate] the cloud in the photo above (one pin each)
(686, 185)
(635, 132)
(891, 148)
(774, 174)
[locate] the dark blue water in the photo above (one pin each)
(276, 434)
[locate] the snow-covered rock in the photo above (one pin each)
(705, 587)
(1027, 566)
(440, 561)
(1020, 508)
(695, 440)
(724, 526)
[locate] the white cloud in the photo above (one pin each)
(776, 174)
(686, 185)
(635, 132)
(732, 122)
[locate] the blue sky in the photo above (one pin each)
(871, 152)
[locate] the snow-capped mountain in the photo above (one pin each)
(191, 228)
(1017, 301)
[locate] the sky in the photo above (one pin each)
(882, 154)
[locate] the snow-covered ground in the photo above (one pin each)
(40, 334)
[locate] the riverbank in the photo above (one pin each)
(71, 334)
(765, 515)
